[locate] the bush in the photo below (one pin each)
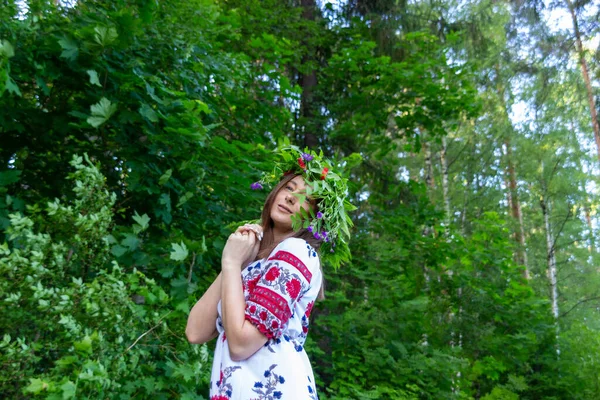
(81, 326)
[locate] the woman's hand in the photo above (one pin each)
(241, 248)
(257, 229)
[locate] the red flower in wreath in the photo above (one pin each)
(324, 173)
(293, 288)
(272, 274)
(301, 163)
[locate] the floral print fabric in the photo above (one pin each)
(280, 292)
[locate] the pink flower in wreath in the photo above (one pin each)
(293, 288)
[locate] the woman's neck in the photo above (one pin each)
(279, 236)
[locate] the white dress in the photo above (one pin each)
(280, 292)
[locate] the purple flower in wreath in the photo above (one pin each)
(307, 157)
(256, 186)
(310, 229)
(319, 215)
(317, 236)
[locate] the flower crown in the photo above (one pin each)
(331, 224)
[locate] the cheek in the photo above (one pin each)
(307, 207)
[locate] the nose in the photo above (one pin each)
(290, 198)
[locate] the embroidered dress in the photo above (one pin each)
(280, 292)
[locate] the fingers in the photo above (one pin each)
(245, 229)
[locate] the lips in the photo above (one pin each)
(284, 208)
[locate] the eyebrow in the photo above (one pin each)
(295, 184)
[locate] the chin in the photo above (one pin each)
(283, 223)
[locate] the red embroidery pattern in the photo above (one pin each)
(293, 288)
(294, 261)
(276, 304)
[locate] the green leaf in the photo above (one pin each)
(165, 177)
(68, 389)
(179, 252)
(35, 386)
(147, 112)
(183, 306)
(142, 220)
(93, 77)
(67, 360)
(12, 87)
(203, 248)
(70, 49)
(84, 346)
(203, 107)
(105, 36)
(9, 177)
(183, 199)
(118, 250)
(131, 242)
(101, 112)
(6, 49)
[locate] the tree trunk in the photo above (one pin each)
(551, 259)
(588, 220)
(512, 194)
(429, 180)
(444, 162)
(515, 206)
(308, 82)
(586, 76)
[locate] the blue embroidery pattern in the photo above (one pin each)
(266, 388)
(311, 251)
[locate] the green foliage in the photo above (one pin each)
(81, 325)
(175, 107)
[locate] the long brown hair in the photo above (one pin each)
(268, 241)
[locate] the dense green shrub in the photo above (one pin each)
(75, 323)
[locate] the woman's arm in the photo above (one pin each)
(243, 338)
(201, 325)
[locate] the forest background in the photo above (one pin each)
(130, 132)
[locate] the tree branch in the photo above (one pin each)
(577, 304)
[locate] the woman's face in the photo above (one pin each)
(287, 203)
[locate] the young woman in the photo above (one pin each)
(262, 319)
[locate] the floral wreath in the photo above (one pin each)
(332, 223)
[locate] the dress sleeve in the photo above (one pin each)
(287, 276)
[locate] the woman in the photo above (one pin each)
(262, 319)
